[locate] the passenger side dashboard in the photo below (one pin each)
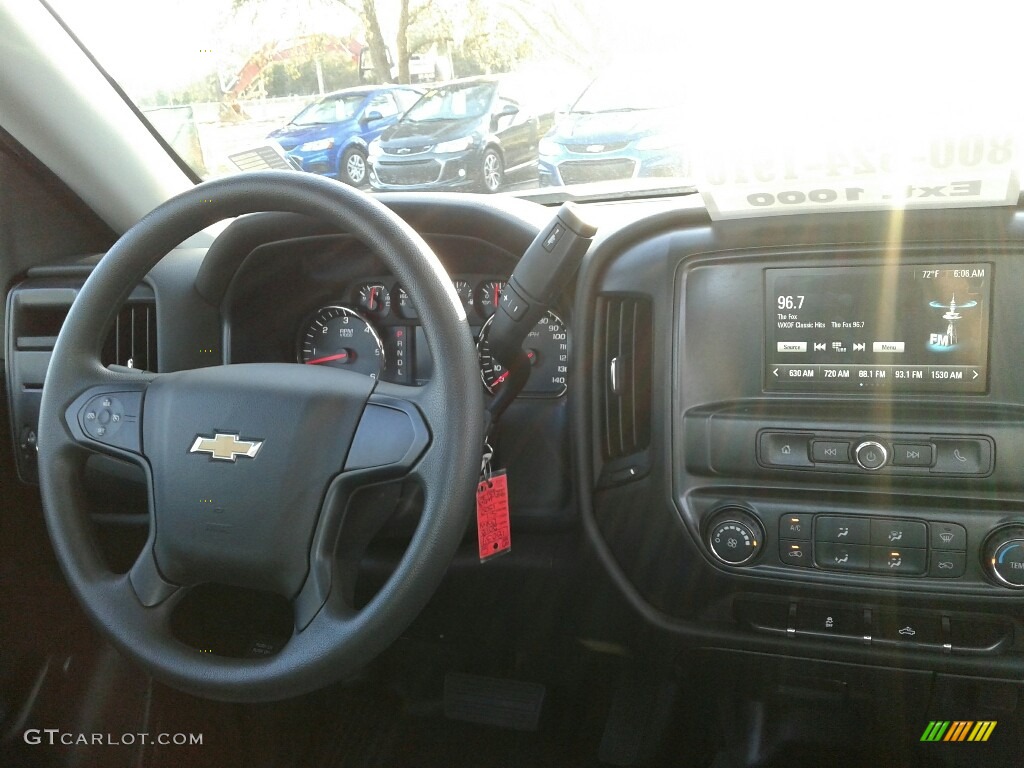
(731, 525)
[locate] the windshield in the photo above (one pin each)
(332, 110)
(453, 102)
(618, 94)
(760, 107)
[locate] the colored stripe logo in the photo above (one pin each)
(958, 730)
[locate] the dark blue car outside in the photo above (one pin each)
(330, 136)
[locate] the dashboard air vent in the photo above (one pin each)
(625, 378)
(132, 342)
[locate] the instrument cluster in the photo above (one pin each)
(374, 329)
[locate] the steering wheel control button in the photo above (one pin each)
(842, 557)
(104, 419)
(831, 451)
(735, 537)
(103, 416)
(912, 455)
(966, 456)
(899, 533)
(948, 536)
(795, 527)
(830, 621)
(948, 565)
(786, 450)
(843, 530)
(796, 553)
(871, 455)
(899, 561)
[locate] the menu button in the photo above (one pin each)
(888, 346)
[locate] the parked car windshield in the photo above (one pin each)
(453, 102)
(612, 93)
(331, 110)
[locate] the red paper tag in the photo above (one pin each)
(493, 531)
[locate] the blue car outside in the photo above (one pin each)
(617, 129)
(330, 136)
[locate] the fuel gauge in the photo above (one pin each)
(465, 292)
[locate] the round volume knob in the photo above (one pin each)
(735, 536)
(871, 455)
(1003, 555)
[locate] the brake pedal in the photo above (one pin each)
(503, 703)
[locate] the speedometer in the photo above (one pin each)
(547, 347)
(340, 337)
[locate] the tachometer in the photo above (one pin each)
(547, 346)
(340, 337)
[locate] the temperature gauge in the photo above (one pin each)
(488, 296)
(375, 299)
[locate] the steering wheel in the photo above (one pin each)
(251, 468)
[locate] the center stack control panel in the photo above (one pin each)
(938, 548)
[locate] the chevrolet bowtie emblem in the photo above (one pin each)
(226, 447)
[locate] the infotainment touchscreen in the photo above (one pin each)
(858, 329)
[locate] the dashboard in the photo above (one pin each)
(777, 435)
(333, 308)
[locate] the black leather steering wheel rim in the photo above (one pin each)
(335, 639)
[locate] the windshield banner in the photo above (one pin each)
(947, 173)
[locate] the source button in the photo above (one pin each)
(792, 346)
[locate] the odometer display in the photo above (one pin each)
(340, 337)
(547, 346)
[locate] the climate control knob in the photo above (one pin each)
(735, 536)
(1004, 556)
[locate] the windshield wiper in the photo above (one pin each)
(608, 111)
(601, 192)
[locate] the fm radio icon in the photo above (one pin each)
(952, 316)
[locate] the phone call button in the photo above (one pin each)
(966, 456)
